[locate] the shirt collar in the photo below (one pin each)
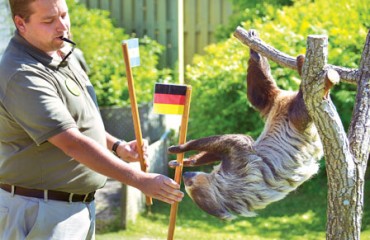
(42, 57)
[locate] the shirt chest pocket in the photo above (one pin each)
(76, 95)
(75, 98)
(73, 95)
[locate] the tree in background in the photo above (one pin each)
(6, 27)
(100, 40)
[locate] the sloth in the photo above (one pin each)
(252, 174)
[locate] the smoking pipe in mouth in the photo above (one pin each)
(68, 40)
(70, 52)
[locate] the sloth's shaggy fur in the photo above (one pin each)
(253, 174)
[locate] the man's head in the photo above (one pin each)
(42, 22)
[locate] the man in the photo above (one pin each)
(54, 150)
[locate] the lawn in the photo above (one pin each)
(302, 215)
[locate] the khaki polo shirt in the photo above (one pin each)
(37, 101)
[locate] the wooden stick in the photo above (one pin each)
(135, 114)
(180, 158)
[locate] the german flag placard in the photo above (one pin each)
(169, 98)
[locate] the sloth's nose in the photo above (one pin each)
(187, 176)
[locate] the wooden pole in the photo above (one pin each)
(135, 113)
(180, 158)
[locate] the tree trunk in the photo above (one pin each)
(341, 171)
(359, 136)
(346, 157)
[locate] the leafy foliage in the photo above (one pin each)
(218, 76)
(247, 10)
(100, 41)
(220, 102)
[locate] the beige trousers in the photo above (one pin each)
(33, 218)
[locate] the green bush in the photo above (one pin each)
(100, 41)
(340, 20)
(220, 105)
(247, 10)
(219, 102)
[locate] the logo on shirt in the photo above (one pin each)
(72, 87)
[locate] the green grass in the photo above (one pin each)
(302, 215)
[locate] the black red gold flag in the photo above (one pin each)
(169, 98)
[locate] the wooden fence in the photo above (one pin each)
(184, 27)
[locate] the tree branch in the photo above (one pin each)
(244, 36)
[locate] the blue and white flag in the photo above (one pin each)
(133, 51)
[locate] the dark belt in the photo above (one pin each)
(49, 194)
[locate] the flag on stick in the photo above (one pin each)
(174, 99)
(169, 98)
(133, 51)
(130, 50)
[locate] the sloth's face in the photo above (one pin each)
(199, 187)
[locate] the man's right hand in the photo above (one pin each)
(162, 188)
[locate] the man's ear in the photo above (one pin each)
(20, 24)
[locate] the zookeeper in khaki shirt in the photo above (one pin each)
(54, 151)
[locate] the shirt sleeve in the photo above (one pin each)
(33, 101)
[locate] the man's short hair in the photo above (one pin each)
(21, 8)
